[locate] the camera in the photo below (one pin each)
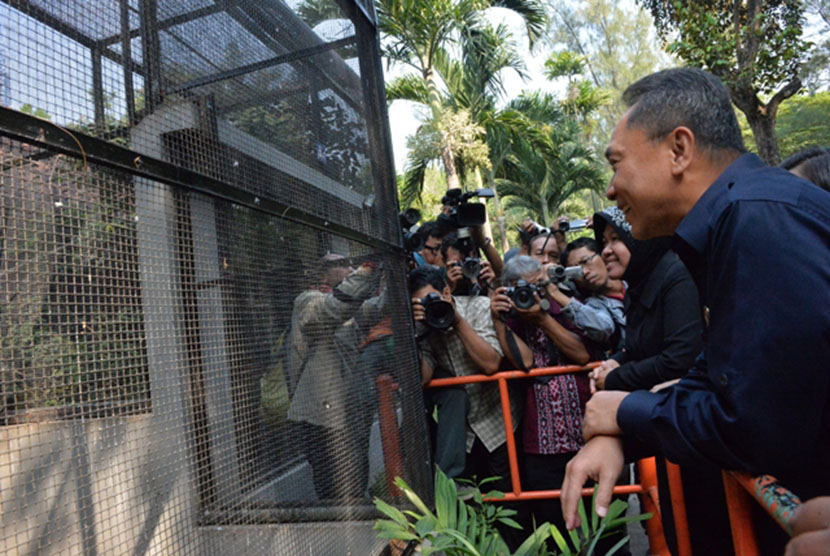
(471, 268)
(412, 240)
(559, 273)
(522, 294)
(438, 314)
(463, 214)
(569, 226)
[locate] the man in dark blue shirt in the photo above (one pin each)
(756, 241)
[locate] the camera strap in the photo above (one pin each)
(514, 347)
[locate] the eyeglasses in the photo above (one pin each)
(434, 249)
(586, 260)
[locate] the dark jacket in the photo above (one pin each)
(664, 329)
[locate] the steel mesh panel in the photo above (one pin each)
(172, 212)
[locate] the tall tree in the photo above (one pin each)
(607, 42)
(755, 46)
(417, 33)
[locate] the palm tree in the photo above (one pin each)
(419, 34)
(549, 162)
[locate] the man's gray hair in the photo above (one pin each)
(518, 267)
(688, 97)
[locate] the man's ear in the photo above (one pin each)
(682, 145)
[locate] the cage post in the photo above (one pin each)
(151, 51)
(127, 57)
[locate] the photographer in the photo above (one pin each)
(324, 338)
(431, 240)
(469, 418)
(554, 405)
(466, 273)
(599, 313)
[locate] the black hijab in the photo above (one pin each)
(644, 254)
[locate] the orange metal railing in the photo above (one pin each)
(647, 468)
(740, 488)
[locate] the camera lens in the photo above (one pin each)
(438, 314)
(471, 268)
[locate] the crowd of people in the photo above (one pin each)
(700, 294)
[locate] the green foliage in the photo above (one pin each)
(466, 525)
(32, 111)
(707, 38)
(803, 121)
(756, 48)
(617, 43)
(548, 162)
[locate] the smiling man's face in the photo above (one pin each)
(643, 184)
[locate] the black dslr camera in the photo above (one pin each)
(438, 314)
(522, 294)
(463, 214)
(412, 240)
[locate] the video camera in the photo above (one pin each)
(559, 273)
(538, 229)
(463, 214)
(438, 314)
(412, 240)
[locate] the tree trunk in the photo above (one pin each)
(447, 156)
(491, 183)
(762, 123)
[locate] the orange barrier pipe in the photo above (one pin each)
(739, 504)
(542, 371)
(389, 435)
(678, 506)
(779, 502)
(553, 494)
(511, 440)
(651, 504)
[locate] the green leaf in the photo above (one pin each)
(424, 525)
(617, 546)
(597, 535)
(510, 523)
(584, 523)
(559, 540)
(594, 514)
(391, 512)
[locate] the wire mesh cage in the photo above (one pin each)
(205, 339)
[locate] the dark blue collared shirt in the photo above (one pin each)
(757, 244)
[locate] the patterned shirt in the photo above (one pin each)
(554, 408)
(446, 354)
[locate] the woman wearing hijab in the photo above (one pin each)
(664, 329)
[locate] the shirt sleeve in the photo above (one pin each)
(481, 319)
(593, 317)
(682, 339)
(761, 403)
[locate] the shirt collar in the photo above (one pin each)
(694, 228)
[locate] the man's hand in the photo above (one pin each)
(599, 374)
(486, 274)
(454, 275)
(811, 528)
(601, 414)
(602, 460)
(500, 303)
(418, 311)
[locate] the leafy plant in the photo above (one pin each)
(464, 524)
